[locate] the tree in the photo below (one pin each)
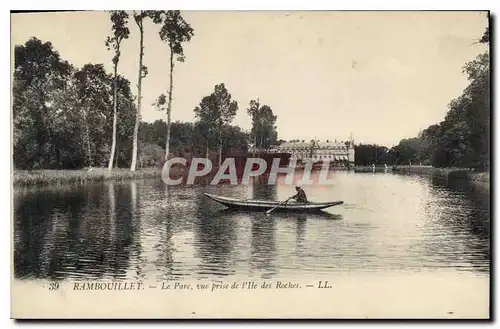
(150, 155)
(465, 132)
(93, 91)
(125, 131)
(215, 112)
(462, 138)
(139, 18)
(175, 31)
(429, 139)
(477, 109)
(368, 154)
(186, 138)
(253, 112)
(39, 75)
(62, 114)
(263, 124)
(236, 140)
(407, 151)
(486, 36)
(120, 31)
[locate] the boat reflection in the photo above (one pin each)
(300, 216)
(301, 230)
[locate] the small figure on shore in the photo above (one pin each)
(300, 197)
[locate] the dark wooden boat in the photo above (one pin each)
(263, 205)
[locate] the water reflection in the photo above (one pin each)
(263, 246)
(75, 233)
(145, 229)
(214, 245)
(164, 261)
(301, 229)
(459, 209)
(263, 191)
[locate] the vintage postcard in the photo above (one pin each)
(250, 164)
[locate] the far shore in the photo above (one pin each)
(481, 179)
(47, 177)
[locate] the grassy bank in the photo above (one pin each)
(371, 169)
(481, 179)
(62, 177)
(478, 178)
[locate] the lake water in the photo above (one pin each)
(146, 230)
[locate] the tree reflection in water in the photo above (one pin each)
(72, 233)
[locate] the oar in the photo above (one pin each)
(270, 210)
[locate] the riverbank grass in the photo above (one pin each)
(60, 177)
(477, 178)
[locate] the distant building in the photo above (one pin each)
(336, 152)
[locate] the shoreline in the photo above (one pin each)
(47, 177)
(480, 179)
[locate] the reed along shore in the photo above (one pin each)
(74, 177)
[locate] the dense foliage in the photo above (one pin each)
(367, 154)
(187, 139)
(462, 139)
(264, 132)
(65, 117)
(62, 115)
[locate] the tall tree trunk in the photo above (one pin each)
(207, 148)
(169, 106)
(117, 152)
(115, 117)
(254, 144)
(139, 97)
(220, 149)
(113, 238)
(87, 137)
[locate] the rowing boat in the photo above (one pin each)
(264, 205)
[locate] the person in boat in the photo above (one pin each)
(300, 197)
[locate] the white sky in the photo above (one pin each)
(381, 75)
